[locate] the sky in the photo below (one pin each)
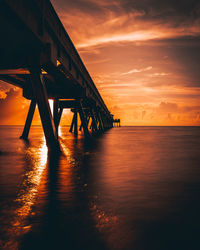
(143, 56)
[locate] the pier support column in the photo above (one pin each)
(81, 126)
(74, 124)
(100, 121)
(88, 119)
(40, 95)
(83, 120)
(60, 115)
(94, 122)
(28, 120)
(87, 115)
(105, 122)
(55, 114)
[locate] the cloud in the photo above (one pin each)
(138, 36)
(143, 114)
(13, 108)
(123, 37)
(176, 12)
(137, 70)
(99, 61)
(159, 74)
(163, 113)
(118, 39)
(167, 107)
(2, 94)
(169, 117)
(4, 87)
(198, 117)
(168, 10)
(127, 20)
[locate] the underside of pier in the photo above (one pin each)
(37, 55)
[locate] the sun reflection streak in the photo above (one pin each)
(32, 180)
(68, 154)
(37, 159)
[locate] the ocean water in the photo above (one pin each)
(129, 188)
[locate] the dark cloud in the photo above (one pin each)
(184, 53)
(77, 5)
(188, 60)
(178, 12)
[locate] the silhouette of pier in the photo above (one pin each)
(116, 123)
(37, 55)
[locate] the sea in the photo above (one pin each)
(128, 188)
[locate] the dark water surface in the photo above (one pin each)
(130, 188)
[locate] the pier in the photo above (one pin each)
(37, 55)
(116, 123)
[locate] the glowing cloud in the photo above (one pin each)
(132, 37)
(137, 70)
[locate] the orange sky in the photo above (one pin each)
(142, 55)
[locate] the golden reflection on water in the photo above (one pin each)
(67, 152)
(37, 159)
(32, 180)
(103, 220)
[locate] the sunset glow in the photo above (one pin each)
(27, 194)
(99, 124)
(144, 60)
